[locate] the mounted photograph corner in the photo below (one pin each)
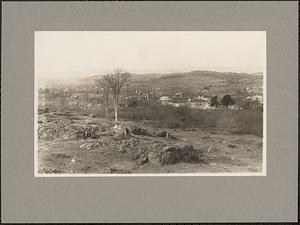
(150, 103)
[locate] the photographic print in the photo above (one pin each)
(150, 103)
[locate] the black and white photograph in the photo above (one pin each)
(149, 112)
(150, 103)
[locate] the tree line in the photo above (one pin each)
(227, 100)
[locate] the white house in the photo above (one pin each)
(174, 104)
(202, 97)
(200, 105)
(164, 99)
(258, 98)
(233, 107)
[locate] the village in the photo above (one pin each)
(88, 98)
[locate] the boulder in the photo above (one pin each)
(88, 146)
(176, 154)
(138, 130)
(168, 158)
(167, 135)
(162, 134)
(171, 155)
(143, 159)
(154, 158)
(190, 154)
(117, 127)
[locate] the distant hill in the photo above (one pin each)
(257, 74)
(210, 82)
(207, 82)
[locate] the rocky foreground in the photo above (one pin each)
(70, 143)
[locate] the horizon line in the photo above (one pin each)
(146, 73)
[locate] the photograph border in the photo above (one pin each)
(264, 138)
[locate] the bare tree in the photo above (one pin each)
(116, 80)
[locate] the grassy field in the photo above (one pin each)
(234, 121)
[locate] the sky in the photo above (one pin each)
(70, 54)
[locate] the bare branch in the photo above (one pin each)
(116, 80)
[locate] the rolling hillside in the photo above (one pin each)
(209, 83)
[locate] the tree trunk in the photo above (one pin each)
(106, 112)
(116, 112)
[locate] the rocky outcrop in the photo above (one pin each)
(172, 154)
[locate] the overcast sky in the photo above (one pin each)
(67, 54)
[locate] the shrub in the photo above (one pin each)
(227, 123)
(234, 121)
(251, 122)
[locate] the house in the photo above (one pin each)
(233, 107)
(205, 105)
(67, 90)
(139, 93)
(202, 91)
(202, 98)
(150, 95)
(253, 102)
(74, 97)
(164, 99)
(256, 89)
(258, 98)
(174, 104)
